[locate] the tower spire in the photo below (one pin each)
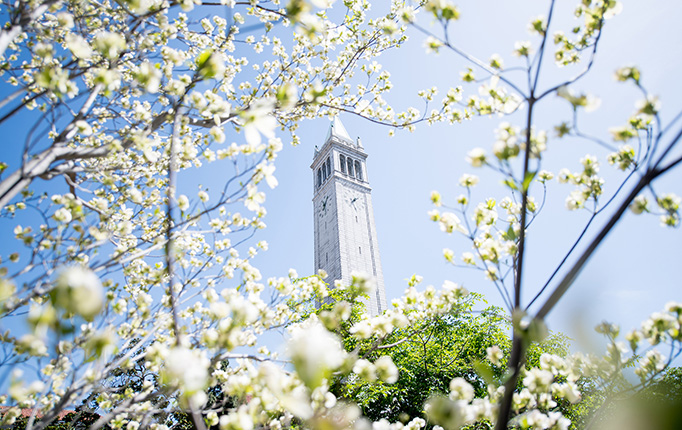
(338, 131)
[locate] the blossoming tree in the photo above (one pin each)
(121, 104)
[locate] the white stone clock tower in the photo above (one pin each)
(345, 233)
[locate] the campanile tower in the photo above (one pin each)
(345, 233)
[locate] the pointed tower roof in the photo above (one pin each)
(336, 129)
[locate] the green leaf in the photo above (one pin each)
(484, 371)
(510, 234)
(510, 183)
(528, 179)
(203, 58)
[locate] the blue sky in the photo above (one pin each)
(633, 274)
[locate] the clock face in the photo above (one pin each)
(324, 206)
(354, 199)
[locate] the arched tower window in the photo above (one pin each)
(329, 167)
(350, 166)
(319, 177)
(342, 160)
(358, 170)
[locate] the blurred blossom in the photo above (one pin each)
(315, 352)
(78, 290)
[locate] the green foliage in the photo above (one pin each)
(555, 343)
(78, 420)
(428, 356)
(666, 389)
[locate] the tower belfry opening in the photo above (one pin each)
(345, 232)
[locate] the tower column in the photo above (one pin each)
(345, 231)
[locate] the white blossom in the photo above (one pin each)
(315, 352)
(188, 370)
(386, 370)
(460, 389)
(78, 46)
(78, 290)
(494, 354)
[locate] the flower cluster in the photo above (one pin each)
(588, 182)
(569, 47)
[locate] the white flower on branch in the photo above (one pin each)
(188, 370)
(386, 370)
(494, 354)
(148, 76)
(78, 290)
(460, 389)
(78, 46)
(258, 120)
(315, 352)
(109, 44)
